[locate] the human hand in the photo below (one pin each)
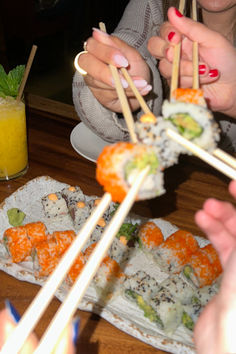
(9, 319)
(218, 220)
(104, 49)
(217, 59)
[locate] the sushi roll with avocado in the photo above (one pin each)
(150, 236)
(152, 131)
(17, 243)
(119, 164)
(190, 314)
(174, 253)
(179, 288)
(189, 95)
(54, 206)
(194, 122)
(168, 309)
(141, 284)
(124, 243)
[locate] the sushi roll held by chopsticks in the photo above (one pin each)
(119, 164)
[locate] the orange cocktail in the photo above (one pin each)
(13, 139)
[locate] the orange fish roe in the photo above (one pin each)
(214, 258)
(47, 257)
(89, 250)
(101, 222)
(112, 270)
(76, 268)
(36, 232)
(52, 197)
(177, 249)
(202, 268)
(63, 240)
(17, 243)
(150, 235)
(71, 189)
(189, 95)
(148, 118)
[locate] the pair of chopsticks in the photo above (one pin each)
(69, 306)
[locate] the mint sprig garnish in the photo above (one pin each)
(10, 83)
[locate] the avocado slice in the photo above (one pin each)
(187, 321)
(186, 125)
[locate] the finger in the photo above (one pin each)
(169, 33)
(232, 188)
(157, 47)
(8, 321)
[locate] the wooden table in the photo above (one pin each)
(188, 184)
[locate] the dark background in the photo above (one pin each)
(59, 32)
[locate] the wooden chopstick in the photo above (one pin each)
(44, 296)
(176, 60)
(69, 306)
(202, 154)
(195, 50)
(122, 97)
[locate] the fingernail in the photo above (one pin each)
(75, 330)
(171, 35)
(201, 69)
(147, 89)
(103, 33)
(140, 83)
(120, 60)
(213, 73)
(178, 13)
(12, 311)
(123, 82)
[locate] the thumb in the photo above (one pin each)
(193, 30)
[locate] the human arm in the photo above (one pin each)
(141, 19)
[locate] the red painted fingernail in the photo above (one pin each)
(178, 13)
(213, 73)
(171, 35)
(202, 69)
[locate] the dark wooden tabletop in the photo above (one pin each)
(187, 185)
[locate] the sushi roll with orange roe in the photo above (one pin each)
(76, 269)
(214, 258)
(199, 270)
(176, 251)
(194, 96)
(150, 236)
(45, 258)
(118, 164)
(36, 232)
(17, 243)
(63, 240)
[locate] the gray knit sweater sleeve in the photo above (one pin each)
(141, 20)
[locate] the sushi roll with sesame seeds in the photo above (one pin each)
(190, 315)
(174, 253)
(141, 284)
(54, 206)
(168, 309)
(152, 131)
(179, 288)
(194, 122)
(205, 294)
(119, 164)
(79, 212)
(72, 195)
(124, 244)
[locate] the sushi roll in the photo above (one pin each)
(36, 232)
(45, 258)
(214, 258)
(54, 206)
(188, 95)
(79, 212)
(150, 236)
(142, 284)
(63, 240)
(167, 309)
(193, 122)
(179, 288)
(72, 195)
(108, 279)
(124, 243)
(205, 294)
(75, 269)
(190, 315)
(199, 269)
(175, 251)
(153, 132)
(17, 243)
(119, 163)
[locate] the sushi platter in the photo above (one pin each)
(116, 309)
